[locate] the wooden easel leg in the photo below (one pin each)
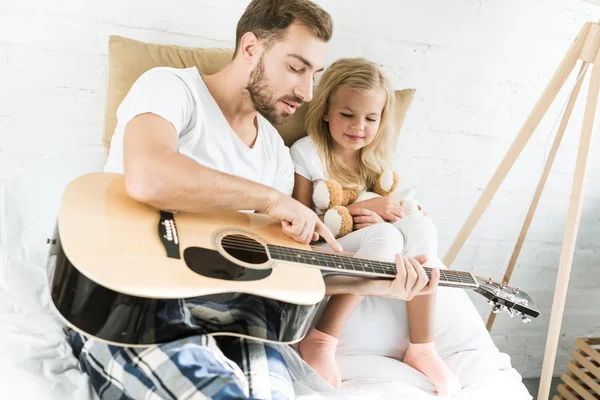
(540, 187)
(570, 236)
(560, 76)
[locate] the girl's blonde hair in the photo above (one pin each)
(357, 74)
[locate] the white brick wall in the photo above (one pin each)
(478, 65)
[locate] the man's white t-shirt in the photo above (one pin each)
(204, 135)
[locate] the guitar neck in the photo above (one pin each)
(346, 265)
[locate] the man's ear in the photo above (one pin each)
(250, 47)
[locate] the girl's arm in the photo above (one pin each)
(386, 207)
(303, 191)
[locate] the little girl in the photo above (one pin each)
(349, 125)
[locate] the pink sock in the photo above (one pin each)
(318, 350)
(424, 358)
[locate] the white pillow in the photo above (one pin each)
(36, 195)
(376, 336)
(380, 326)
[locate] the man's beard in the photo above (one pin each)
(262, 99)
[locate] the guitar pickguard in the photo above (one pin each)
(212, 264)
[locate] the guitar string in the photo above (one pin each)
(251, 245)
(255, 245)
(314, 249)
(257, 248)
(242, 243)
(317, 249)
(261, 249)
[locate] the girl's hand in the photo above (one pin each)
(411, 279)
(386, 207)
(363, 217)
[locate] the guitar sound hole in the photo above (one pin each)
(244, 249)
(212, 264)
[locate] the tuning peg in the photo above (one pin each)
(497, 308)
(516, 290)
(491, 302)
(525, 319)
(510, 312)
(490, 281)
(504, 284)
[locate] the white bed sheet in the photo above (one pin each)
(485, 374)
(37, 362)
(369, 363)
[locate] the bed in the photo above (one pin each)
(36, 360)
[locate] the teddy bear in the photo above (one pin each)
(332, 199)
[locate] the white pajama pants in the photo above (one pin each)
(382, 320)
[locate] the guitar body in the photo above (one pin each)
(111, 278)
(126, 320)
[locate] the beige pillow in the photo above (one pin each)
(128, 59)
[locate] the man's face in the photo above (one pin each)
(283, 78)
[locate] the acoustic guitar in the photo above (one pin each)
(130, 275)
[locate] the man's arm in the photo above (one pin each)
(156, 174)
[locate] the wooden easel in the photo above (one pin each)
(584, 48)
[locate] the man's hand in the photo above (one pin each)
(411, 279)
(386, 207)
(363, 217)
(299, 222)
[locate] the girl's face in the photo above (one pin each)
(354, 117)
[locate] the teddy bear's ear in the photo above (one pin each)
(411, 206)
(327, 194)
(386, 183)
(339, 221)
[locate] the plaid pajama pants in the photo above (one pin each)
(197, 367)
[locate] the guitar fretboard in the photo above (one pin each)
(357, 266)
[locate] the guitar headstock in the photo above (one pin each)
(508, 298)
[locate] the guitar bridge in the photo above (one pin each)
(167, 232)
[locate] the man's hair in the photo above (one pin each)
(269, 20)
